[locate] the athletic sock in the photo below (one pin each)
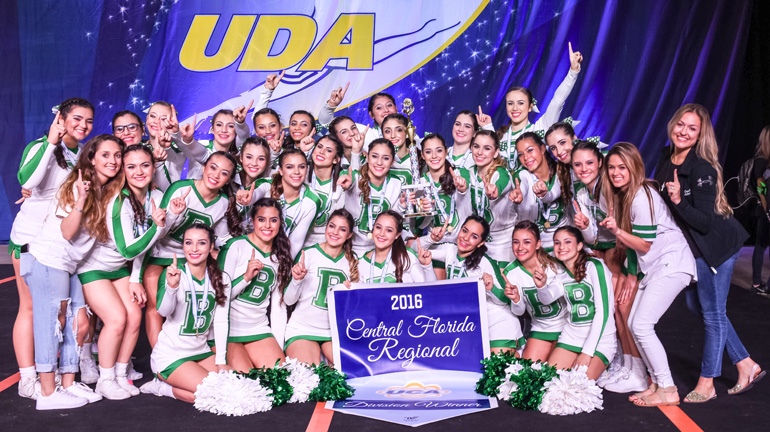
(86, 349)
(107, 373)
(27, 372)
(628, 361)
(166, 390)
(121, 369)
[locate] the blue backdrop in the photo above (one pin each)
(643, 59)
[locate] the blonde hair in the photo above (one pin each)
(763, 145)
(620, 200)
(707, 149)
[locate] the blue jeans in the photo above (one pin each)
(49, 287)
(709, 301)
(760, 246)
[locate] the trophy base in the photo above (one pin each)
(418, 214)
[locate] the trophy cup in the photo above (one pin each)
(419, 186)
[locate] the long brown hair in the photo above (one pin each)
(499, 161)
(504, 128)
(281, 249)
(212, 267)
(589, 146)
(339, 153)
(95, 208)
(276, 187)
(232, 214)
(621, 200)
(400, 254)
(258, 142)
(347, 247)
(363, 182)
(563, 170)
(446, 180)
(582, 258)
(541, 255)
(707, 149)
(763, 144)
(140, 216)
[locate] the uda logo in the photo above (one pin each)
(320, 45)
(414, 390)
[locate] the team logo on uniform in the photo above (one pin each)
(414, 390)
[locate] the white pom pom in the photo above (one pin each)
(226, 393)
(302, 379)
(571, 392)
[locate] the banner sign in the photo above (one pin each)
(411, 351)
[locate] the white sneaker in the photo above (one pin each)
(132, 374)
(89, 373)
(60, 399)
(125, 385)
(110, 389)
(152, 387)
(603, 378)
(82, 390)
(29, 388)
(631, 383)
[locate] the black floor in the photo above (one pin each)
(681, 333)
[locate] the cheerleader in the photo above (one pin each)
(539, 192)
(74, 222)
(107, 289)
(205, 201)
(259, 264)
(519, 103)
(644, 224)
(323, 173)
(467, 258)
(300, 205)
(254, 158)
(394, 129)
(560, 140)
(391, 261)
(267, 125)
(44, 166)
(162, 125)
(524, 279)
(128, 126)
(465, 126)
(345, 130)
(488, 181)
(320, 267)
(301, 131)
(380, 106)
(182, 358)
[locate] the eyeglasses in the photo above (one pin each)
(132, 127)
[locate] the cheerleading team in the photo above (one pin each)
(234, 260)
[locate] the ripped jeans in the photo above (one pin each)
(49, 287)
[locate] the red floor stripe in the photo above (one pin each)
(321, 419)
(11, 380)
(680, 419)
(8, 279)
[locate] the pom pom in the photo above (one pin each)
(494, 369)
(302, 378)
(274, 379)
(332, 385)
(571, 392)
(231, 394)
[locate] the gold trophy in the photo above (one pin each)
(419, 186)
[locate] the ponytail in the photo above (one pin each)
(140, 217)
(212, 268)
(347, 247)
(276, 188)
(582, 258)
(363, 182)
(65, 108)
(541, 255)
(399, 252)
(281, 250)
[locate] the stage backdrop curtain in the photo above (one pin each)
(643, 59)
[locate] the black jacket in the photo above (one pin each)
(716, 238)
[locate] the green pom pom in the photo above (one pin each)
(494, 372)
(331, 386)
(530, 382)
(274, 379)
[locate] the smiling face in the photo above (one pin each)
(686, 131)
(138, 168)
(128, 128)
(346, 129)
(462, 131)
(267, 126)
(381, 108)
(619, 174)
(517, 106)
(531, 154)
(300, 126)
(267, 223)
(157, 113)
(338, 231)
(566, 247)
(586, 166)
(525, 245)
(325, 153)
(107, 160)
(293, 170)
(395, 132)
(484, 150)
(385, 232)
(217, 172)
(254, 159)
(470, 237)
(560, 145)
(79, 122)
(380, 160)
(196, 246)
(434, 153)
(223, 126)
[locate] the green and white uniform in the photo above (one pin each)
(197, 152)
(128, 241)
(548, 210)
(596, 236)
(446, 207)
(331, 200)
(382, 198)
(248, 310)
(590, 327)
(548, 319)
(402, 169)
(39, 173)
(385, 272)
(211, 213)
(499, 213)
(169, 170)
(310, 319)
(504, 327)
(464, 160)
(189, 324)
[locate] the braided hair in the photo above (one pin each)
(65, 108)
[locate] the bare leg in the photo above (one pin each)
(153, 320)
(538, 350)
(23, 337)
